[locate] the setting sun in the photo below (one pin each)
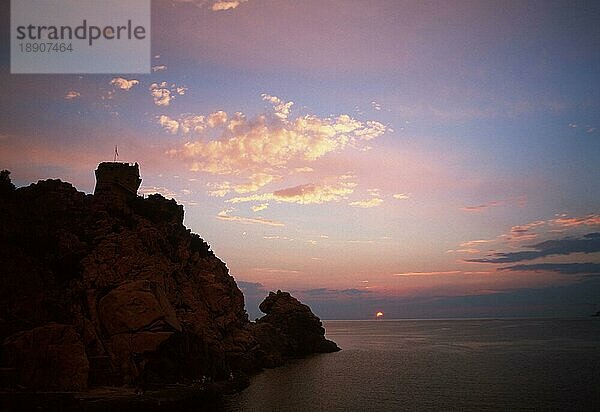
(379, 315)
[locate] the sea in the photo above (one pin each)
(439, 365)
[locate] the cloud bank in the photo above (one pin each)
(266, 142)
(589, 243)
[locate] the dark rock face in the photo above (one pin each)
(91, 294)
(50, 357)
(289, 329)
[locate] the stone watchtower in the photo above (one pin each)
(117, 183)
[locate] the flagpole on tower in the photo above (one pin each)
(116, 154)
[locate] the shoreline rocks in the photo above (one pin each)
(289, 329)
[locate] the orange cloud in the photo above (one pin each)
(72, 94)
(589, 220)
(258, 208)
(221, 5)
(123, 84)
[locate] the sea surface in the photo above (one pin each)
(458, 364)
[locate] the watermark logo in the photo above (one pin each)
(80, 36)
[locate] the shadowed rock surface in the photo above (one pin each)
(289, 329)
(94, 292)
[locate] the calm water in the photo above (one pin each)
(474, 365)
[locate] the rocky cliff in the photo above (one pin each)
(93, 294)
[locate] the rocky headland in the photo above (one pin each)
(112, 290)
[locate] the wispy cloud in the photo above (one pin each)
(258, 208)
(401, 196)
(326, 293)
(435, 273)
(225, 215)
(472, 243)
(375, 105)
(471, 251)
(589, 220)
(480, 208)
(564, 268)
(563, 222)
(520, 201)
(368, 203)
(278, 238)
(222, 5)
(72, 94)
(525, 232)
(444, 273)
(277, 271)
(255, 182)
(470, 246)
(214, 5)
(304, 169)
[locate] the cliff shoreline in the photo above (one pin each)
(112, 289)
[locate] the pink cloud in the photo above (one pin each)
(310, 193)
(588, 220)
(268, 142)
(225, 215)
(72, 94)
(435, 273)
(480, 208)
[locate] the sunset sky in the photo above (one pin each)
(425, 159)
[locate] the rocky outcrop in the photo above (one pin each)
(50, 357)
(123, 295)
(289, 329)
(137, 306)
